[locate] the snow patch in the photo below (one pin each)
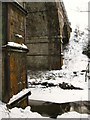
(57, 95)
(73, 115)
(23, 113)
(17, 112)
(13, 44)
(19, 95)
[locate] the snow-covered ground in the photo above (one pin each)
(45, 85)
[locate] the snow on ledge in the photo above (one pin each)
(13, 44)
(19, 95)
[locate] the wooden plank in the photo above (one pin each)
(18, 100)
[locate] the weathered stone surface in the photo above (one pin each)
(35, 62)
(45, 29)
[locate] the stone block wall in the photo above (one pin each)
(44, 32)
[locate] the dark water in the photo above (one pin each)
(52, 110)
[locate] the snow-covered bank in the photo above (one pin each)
(17, 112)
(74, 115)
(57, 95)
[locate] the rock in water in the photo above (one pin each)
(67, 86)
